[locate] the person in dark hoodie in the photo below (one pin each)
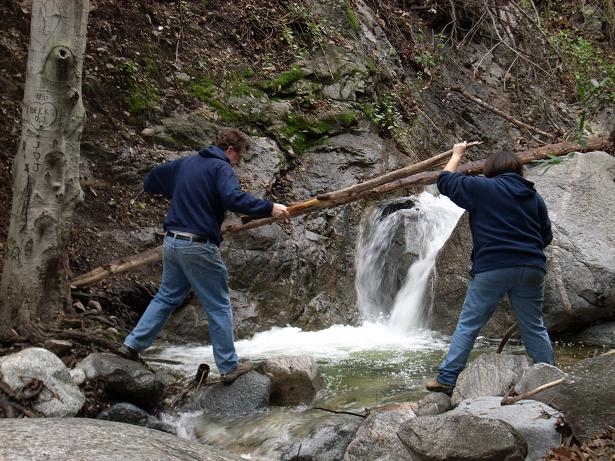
(510, 228)
(201, 189)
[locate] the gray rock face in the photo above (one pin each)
(69, 439)
(489, 374)
(59, 396)
(295, 380)
(580, 197)
(124, 379)
(535, 421)
(462, 438)
(248, 394)
(587, 396)
(376, 438)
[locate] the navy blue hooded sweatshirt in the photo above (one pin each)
(201, 189)
(508, 219)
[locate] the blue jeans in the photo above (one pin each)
(525, 289)
(198, 266)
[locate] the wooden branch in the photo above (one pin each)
(506, 337)
(315, 204)
(502, 114)
(118, 266)
(525, 395)
(392, 176)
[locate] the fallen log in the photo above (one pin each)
(315, 204)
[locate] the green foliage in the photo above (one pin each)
(351, 17)
(300, 132)
(385, 113)
(283, 81)
(552, 160)
(428, 54)
(593, 78)
(140, 93)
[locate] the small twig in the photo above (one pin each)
(344, 412)
(181, 31)
(506, 337)
(525, 395)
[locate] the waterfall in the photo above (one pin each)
(396, 255)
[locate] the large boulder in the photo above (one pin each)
(69, 439)
(42, 374)
(462, 438)
(587, 396)
(580, 197)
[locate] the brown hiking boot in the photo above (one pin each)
(231, 376)
(129, 353)
(436, 386)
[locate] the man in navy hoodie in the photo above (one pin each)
(510, 228)
(201, 189)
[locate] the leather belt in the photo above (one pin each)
(187, 236)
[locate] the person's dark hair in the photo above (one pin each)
(504, 161)
(228, 137)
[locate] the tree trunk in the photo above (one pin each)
(35, 278)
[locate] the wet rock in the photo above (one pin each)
(439, 438)
(597, 335)
(248, 394)
(327, 442)
(295, 380)
(124, 379)
(128, 413)
(535, 421)
(39, 374)
(69, 439)
(489, 374)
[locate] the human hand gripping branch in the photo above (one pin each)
(279, 211)
(459, 151)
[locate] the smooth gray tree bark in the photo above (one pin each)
(35, 279)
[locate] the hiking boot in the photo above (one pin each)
(129, 353)
(436, 386)
(231, 376)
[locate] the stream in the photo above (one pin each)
(386, 359)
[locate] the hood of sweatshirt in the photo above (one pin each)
(517, 185)
(214, 152)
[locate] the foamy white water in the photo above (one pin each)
(337, 343)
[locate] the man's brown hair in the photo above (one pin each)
(504, 161)
(232, 137)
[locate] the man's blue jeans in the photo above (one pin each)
(525, 289)
(184, 265)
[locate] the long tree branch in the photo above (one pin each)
(316, 204)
